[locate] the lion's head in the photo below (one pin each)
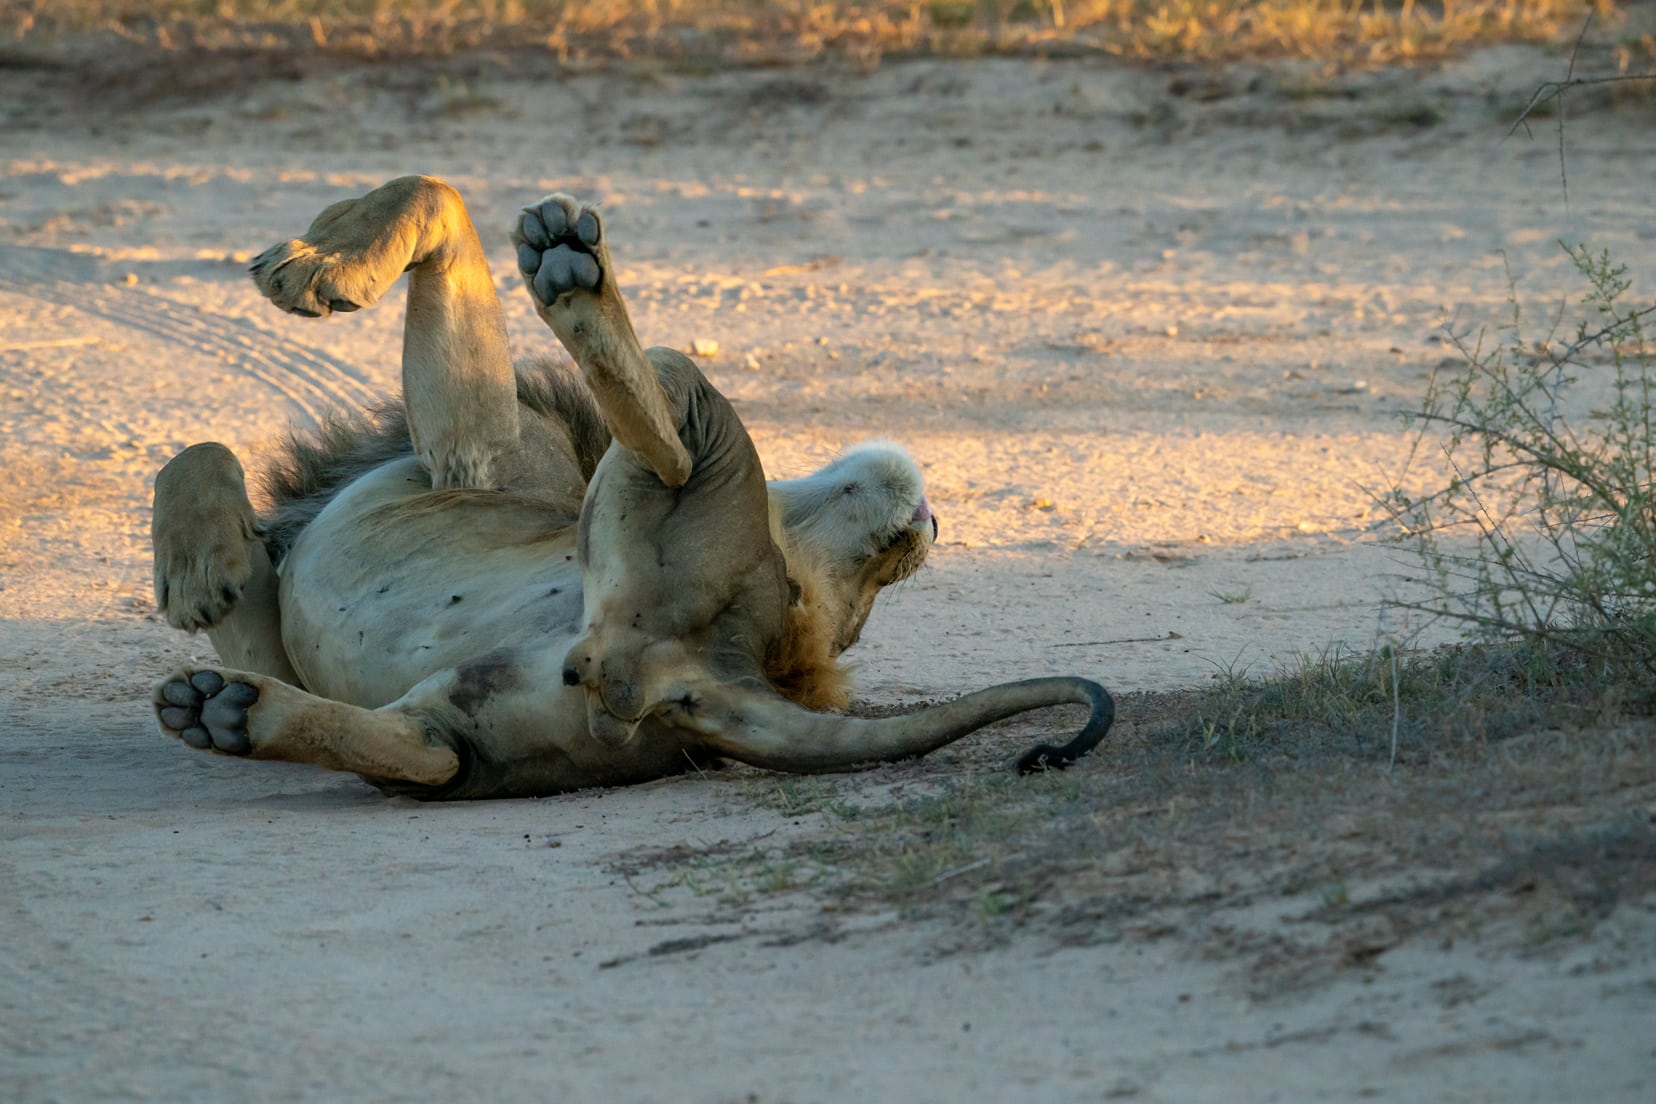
(848, 530)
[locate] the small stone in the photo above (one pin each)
(704, 347)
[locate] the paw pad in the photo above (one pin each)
(556, 238)
(206, 712)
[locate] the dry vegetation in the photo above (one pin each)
(1363, 32)
(1515, 805)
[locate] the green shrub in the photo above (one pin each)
(1544, 527)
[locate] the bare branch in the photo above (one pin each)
(1553, 91)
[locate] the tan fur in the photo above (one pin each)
(805, 668)
(598, 333)
(500, 610)
(457, 374)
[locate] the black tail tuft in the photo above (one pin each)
(1055, 757)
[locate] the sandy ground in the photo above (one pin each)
(1148, 343)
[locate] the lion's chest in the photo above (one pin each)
(388, 586)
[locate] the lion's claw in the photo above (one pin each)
(206, 712)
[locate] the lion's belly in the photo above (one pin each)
(392, 583)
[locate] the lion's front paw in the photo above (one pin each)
(206, 711)
(351, 255)
(301, 280)
(558, 244)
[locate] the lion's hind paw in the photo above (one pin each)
(205, 537)
(557, 243)
(205, 711)
(198, 605)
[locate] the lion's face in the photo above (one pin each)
(861, 523)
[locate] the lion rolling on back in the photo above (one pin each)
(521, 583)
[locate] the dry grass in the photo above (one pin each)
(1363, 32)
(1517, 808)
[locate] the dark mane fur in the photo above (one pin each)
(310, 467)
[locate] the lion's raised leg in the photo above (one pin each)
(668, 573)
(675, 527)
(458, 381)
(246, 714)
(564, 257)
(211, 568)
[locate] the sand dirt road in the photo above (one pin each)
(1149, 348)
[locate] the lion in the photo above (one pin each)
(521, 582)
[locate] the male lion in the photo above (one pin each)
(512, 584)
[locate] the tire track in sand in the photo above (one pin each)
(311, 381)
